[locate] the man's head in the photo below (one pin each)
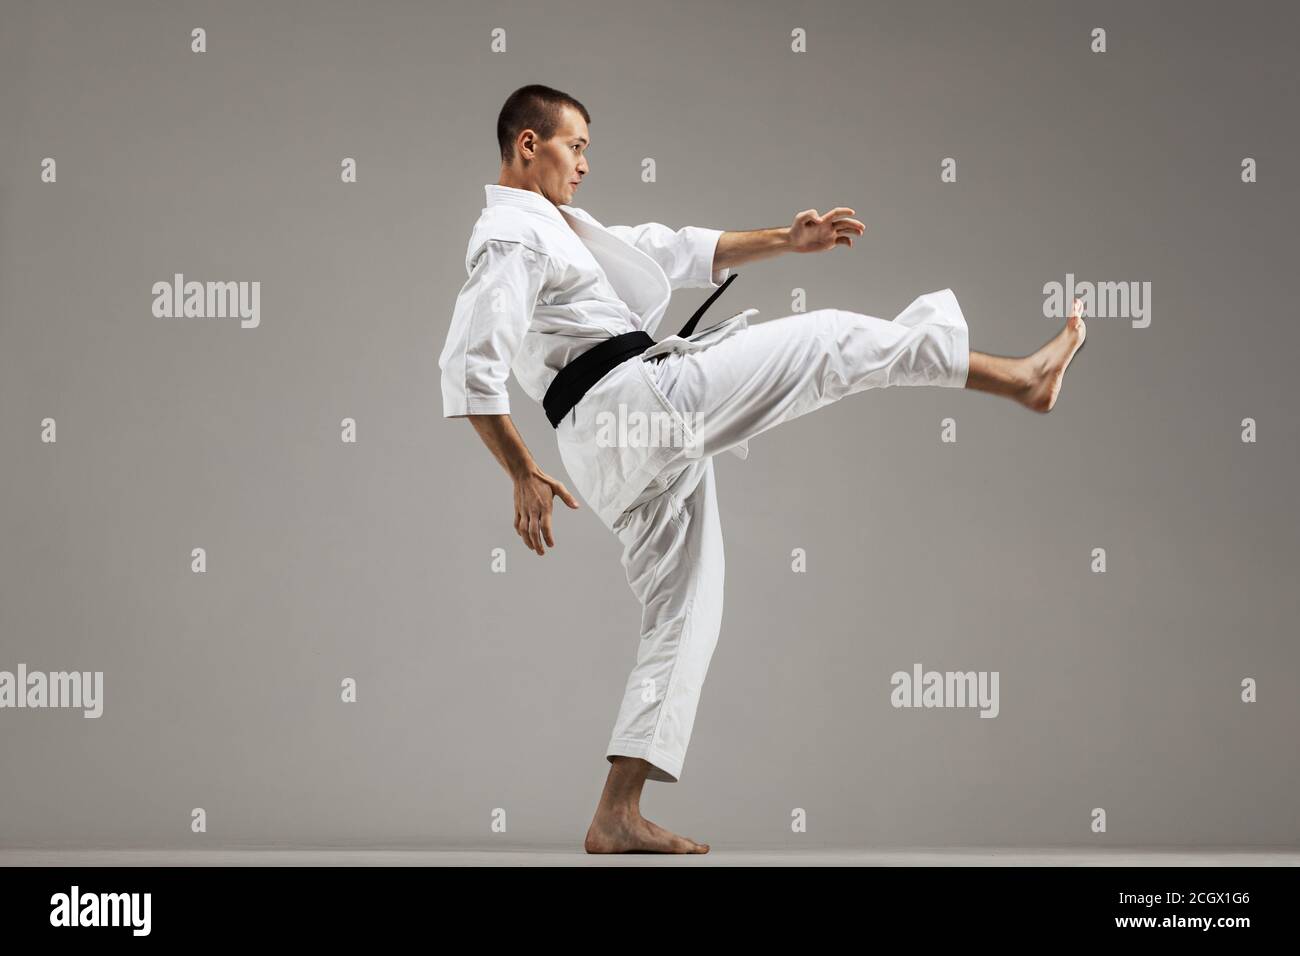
(543, 138)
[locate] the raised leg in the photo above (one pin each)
(779, 370)
(1033, 380)
(774, 372)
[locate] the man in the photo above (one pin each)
(548, 283)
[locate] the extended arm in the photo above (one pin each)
(700, 257)
(808, 233)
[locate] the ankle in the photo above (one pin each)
(618, 810)
(1027, 373)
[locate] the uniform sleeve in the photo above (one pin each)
(686, 254)
(492, 314)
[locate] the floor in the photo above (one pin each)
(563, 856)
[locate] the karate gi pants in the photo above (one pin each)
(671, 535)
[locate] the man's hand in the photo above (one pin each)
(813, 233)
(534, 488)
(534, 493)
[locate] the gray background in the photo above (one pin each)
(481, 690)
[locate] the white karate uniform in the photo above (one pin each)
(545, 284)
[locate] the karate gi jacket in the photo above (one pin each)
(545, 284)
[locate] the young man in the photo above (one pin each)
(570, 306)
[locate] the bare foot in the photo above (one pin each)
(1045, 369)
(633, 833)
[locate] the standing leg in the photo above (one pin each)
(672, 552)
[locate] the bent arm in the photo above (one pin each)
(506, 444)
(534, 489)
(492, 314)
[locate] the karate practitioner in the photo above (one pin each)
(547, 283)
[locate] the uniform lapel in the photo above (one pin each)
(637, 279)
(635, 276)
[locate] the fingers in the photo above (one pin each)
(558, 488)
(837, 216)
(526, 528)
(563, 492)
(534, 534)
(533, 518)
(521, 529)
(807, 217)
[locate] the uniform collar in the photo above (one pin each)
(525, 198)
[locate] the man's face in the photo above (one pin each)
(560, 163)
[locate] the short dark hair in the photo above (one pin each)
(534, 107)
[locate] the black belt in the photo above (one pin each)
(580, 375)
